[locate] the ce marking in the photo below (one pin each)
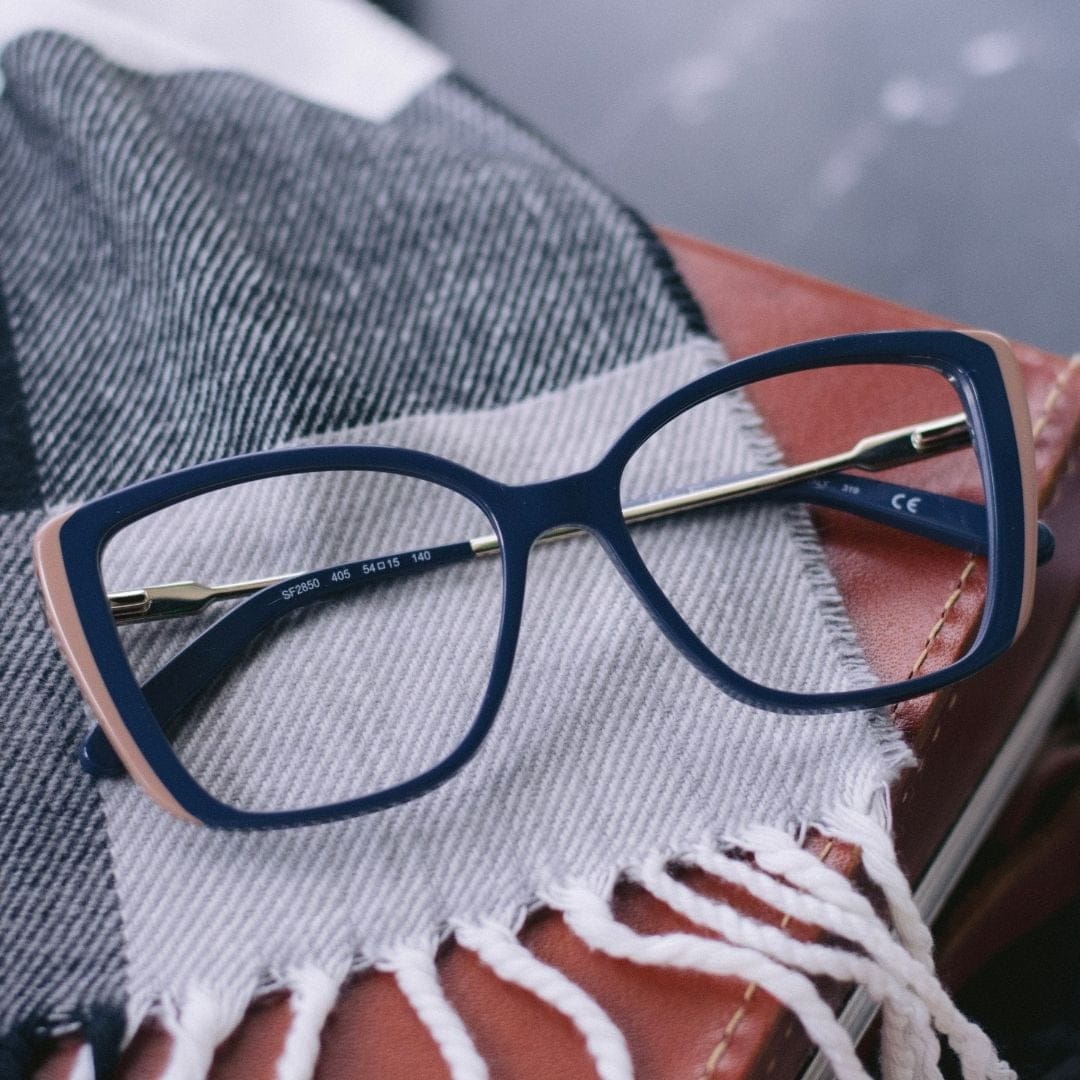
(910, 503)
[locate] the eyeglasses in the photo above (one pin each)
(371, 597)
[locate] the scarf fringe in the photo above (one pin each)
(590, 918)
(313, 993)
(499, 948)
(893, 964)
(83, 1067)
(414, 968)
(199, 1022)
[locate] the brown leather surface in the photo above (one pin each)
(679, 1025)
(1026, 874)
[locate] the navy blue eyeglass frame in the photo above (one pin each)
(980, 367)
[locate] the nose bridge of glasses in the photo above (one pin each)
(554, 509)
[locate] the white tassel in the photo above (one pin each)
(83, 1068)
(900, 1060)
(501, 951)
(779, 853)
(879, 861)
(591, 920)
(903, 1007)
(978, 1059)
(414, 969)
(314, 993)
(198, 1025)
(905, 1046)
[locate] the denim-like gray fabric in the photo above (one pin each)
(61, 943)
(199, 264)
(60, 930)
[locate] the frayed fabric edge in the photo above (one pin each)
(894, 964)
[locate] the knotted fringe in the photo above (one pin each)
(24, 1048)
(198, 1024)
(826, 899)
(314, 993)
(879, 861)
(897, 972)
(83, 1066)
(916, 1055)
(498, 947)
(591, 919)
(202, 1019)
(414, 969)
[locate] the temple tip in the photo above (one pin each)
(1044, 549)
(98, 758)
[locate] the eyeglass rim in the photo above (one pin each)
(67, 551)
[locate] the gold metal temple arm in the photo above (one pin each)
(886, 450)
(180, 598)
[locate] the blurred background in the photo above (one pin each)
(928, 152)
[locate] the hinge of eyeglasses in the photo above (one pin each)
(179, 598)
(902, 446)
(952, 433)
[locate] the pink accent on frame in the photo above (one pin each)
(68, 630)
(1025, 442)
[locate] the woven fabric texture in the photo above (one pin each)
(200, 264)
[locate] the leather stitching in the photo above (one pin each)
(950, 603)
(1056, 391)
